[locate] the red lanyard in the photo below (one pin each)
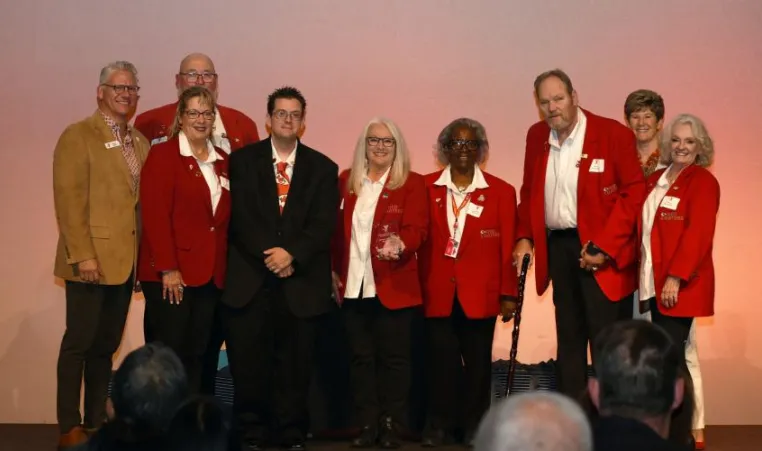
(456, 210)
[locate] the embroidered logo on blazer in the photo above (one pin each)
(394, 210)
(490, 233)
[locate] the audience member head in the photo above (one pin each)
(637, 374)
(200, 425)
(535, 421)
(196, 69)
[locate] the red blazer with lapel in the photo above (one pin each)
(155, 124)
(483, 269)
(403, 209)
(179, 230)
(682, 241)
(608, 202)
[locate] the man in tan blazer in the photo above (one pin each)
(96, 174)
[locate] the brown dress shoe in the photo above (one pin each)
(76, 436)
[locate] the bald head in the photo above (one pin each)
(196, 69)
(535, 421)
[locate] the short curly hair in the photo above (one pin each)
(445, 136)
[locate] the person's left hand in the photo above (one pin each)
(277, 259)
(589, 262)
(286, 272)
(508, 308)
(669, 292)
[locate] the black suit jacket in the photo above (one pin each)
(304, 229)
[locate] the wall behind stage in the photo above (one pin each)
(421, 63)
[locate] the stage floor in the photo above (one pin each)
(42, 437)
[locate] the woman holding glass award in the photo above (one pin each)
(468, 279)
(383, 219)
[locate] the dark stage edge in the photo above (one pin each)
(43, 437)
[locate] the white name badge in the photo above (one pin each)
(158, 140)
(112, 144)
(670, 202)
(225, 183)
(475, 210)
(597, 165)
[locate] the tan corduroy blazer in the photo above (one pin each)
(95, 202)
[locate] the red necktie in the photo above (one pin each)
(281, 178)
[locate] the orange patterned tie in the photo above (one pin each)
(281, 178)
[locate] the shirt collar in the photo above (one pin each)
(581, 124)
(479, 182)
(382, 180)
(185, 149)
(291, 157)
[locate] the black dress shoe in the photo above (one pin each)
(367, 437)
(468, 438)
(293, 440)
(388, 438)
(434, 438)
(256, 439)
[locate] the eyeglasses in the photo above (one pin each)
(282, 114)
(193, 114)
(191, 77)
(121, 88)
(376, 142)
(470, 145)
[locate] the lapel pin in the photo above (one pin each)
(385, 195)
(438, 200)
(190, 167)
(481, 198)
(236, 139)
(584, 155)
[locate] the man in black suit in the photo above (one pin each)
(636, 388)
(284, 203)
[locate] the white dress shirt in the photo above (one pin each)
(647, 288)
(289, 160)
(445, 179)
(219, 135)
(360, 272)
(207, 168)
(561, 176)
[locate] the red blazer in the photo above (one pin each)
(608, 202)
(156, 123)
(483, 269)
(682, 241)
(404, 210)
(179, 230)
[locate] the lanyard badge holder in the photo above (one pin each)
(451, 249)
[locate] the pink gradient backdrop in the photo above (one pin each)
(421, 63)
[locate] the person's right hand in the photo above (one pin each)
(89, 271)
(523, 247)
(172, 285)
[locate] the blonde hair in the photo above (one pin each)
(205, 98)
(705, 154)
(400, 166)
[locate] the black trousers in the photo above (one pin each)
(212, 355)
(380, 344)
(678, 328)
(95, 317)
(184, 327)
(270, 351)
(459, 370)
(582, 310)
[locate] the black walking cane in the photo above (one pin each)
(517, 325)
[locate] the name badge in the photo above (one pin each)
(112, 144)
(158, 140)
(451, 249)
(597, 165)
(475, 210)
(670, 202)
(225, 183)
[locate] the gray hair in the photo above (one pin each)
(705, 154)
(117, 66)
(535, 421)
(445, 136)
